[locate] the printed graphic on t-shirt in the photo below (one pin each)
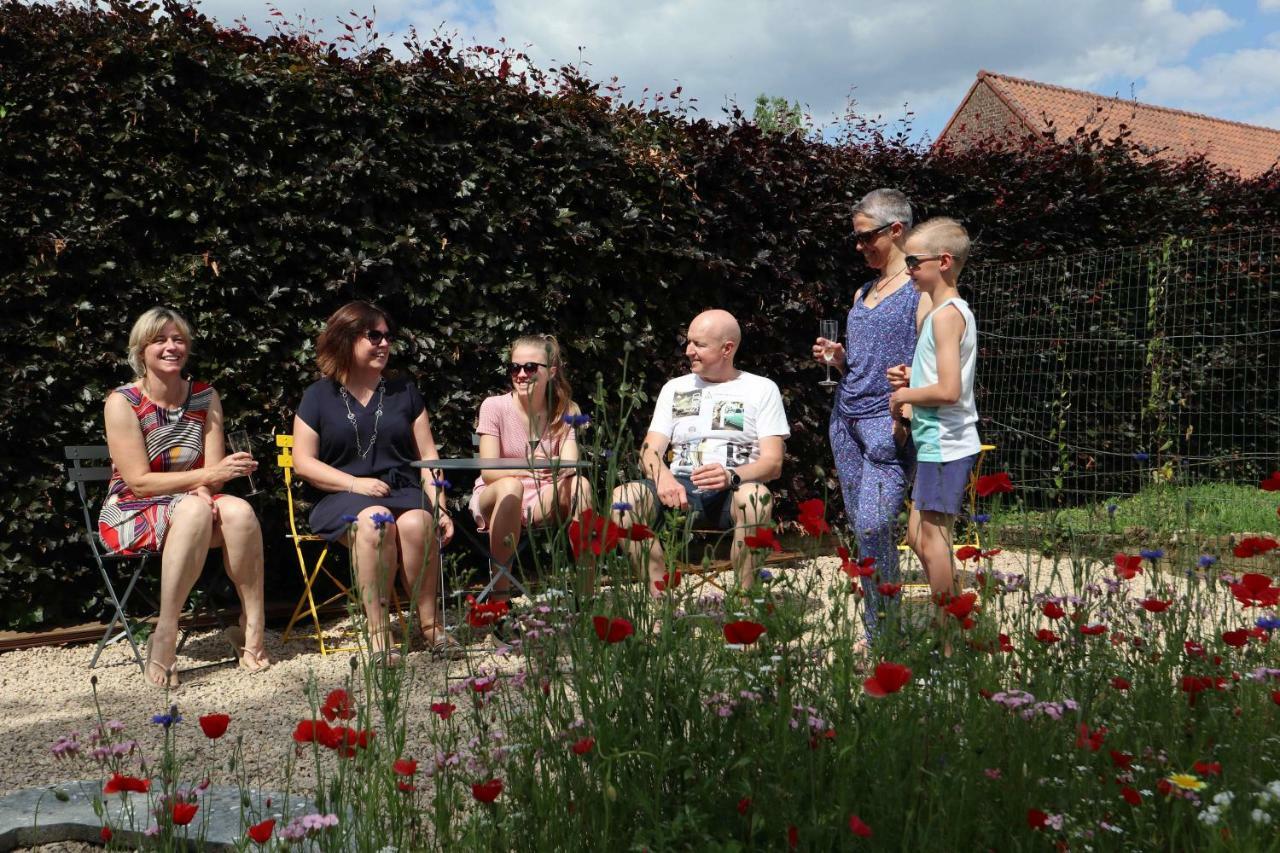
(686, 404)
(729, 415)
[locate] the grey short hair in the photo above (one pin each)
(884, 206)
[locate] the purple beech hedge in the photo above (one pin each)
(148, 156)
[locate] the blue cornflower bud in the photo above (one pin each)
(382, 519)
(1152, 554)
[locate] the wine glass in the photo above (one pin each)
(238, 441)
(829, 330)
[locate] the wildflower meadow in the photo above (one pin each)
(1126, 701)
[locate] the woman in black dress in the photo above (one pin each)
(355, 436)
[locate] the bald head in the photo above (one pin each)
(713, 341)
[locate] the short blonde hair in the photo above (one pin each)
(144, 330)
(944, 234)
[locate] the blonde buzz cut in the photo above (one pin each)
(943, 234)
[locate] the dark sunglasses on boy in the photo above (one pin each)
(376, 337)
(914, 262)
(530, 368)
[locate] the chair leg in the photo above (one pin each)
(118, 617)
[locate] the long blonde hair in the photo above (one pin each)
(561, 392)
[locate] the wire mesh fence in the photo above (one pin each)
(1136, 386)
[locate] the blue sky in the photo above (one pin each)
(1220, 57)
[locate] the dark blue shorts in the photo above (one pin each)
(706, 509)
(940, 486)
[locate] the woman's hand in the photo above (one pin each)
(369, 487)
(445, 527)
(232, 466)
(899, 376)
(203, 493)
(822, 346)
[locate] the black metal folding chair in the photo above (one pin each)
(92, 464)
(88, 464)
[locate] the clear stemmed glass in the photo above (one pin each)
(238, 441)
(829, 330)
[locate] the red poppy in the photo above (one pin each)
(1047, 637)
(668, 580)
(337, 705)
(813, 517)
(260, 833)
(763, 538)
(405, 767)
(889, 590)
(612, 630)
(487, 792)
(858, 828)
(214, 726)
(793, 836)
(1127, 565)
(962, 606)
(990, 484)
(583, 746)
(1154, 605)
(967, 552)
(119, 784)
(743, 632)
(744, 806)
(1037, 819)
(1275, 696)
(987, 555)
(483, 685)
(307, 731)
(1123, 760)
(105, 834)
(444, 710)
(593, 533)
(1091, 740)
(1209, 768)
(484, 615)
(1164, 786)
(1272, 483)
(1252, 546)
(889, 678)
(1006, 645)
(1053, 610)
(1255, 590)
(183, 813)
(864, 568)
(638, 533)
(1131, 796)
(1120, 683)
(1193, 649)
(1093, 630)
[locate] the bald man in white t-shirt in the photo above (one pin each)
(726, 430)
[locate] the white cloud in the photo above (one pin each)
(1269, 5)
(1232, 85)
(925, 53)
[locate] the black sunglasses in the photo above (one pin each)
(376, 337)
(914, 262)
(529, 367)
(864, 236)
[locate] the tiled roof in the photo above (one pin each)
(1245, 148)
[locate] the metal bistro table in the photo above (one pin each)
(473, 464)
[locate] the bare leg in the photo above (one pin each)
(502, 504)
(643, 511)
(186, 546)
(416, 533)
(751, 507)
(565, 500)
(375, 554)
(238, 534)
(930, 536)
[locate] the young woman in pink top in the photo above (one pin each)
(533, 420)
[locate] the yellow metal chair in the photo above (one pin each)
(307, 603)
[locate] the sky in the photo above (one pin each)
(1220, 57)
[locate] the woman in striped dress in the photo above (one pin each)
(165, 436)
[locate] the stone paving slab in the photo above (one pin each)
(65, 812)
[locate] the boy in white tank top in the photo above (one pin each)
(939, 388)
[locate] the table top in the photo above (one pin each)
(470, 463)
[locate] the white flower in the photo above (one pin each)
(1223, 798)
(1210, 816)
(1265, 797)
(1259, 816)
(1274, 788)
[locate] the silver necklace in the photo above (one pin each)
(875, 291)
(377, 416)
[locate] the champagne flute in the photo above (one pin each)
(238, 441)
(829, 330)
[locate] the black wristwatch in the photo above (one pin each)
(735, 479)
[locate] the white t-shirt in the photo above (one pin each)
(710, 422)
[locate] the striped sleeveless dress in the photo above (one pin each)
(132, 525)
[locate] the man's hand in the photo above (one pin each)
(670, 492)
(710, 478)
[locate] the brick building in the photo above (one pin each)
(998, 104)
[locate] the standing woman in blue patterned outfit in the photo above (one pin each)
(873, 454)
